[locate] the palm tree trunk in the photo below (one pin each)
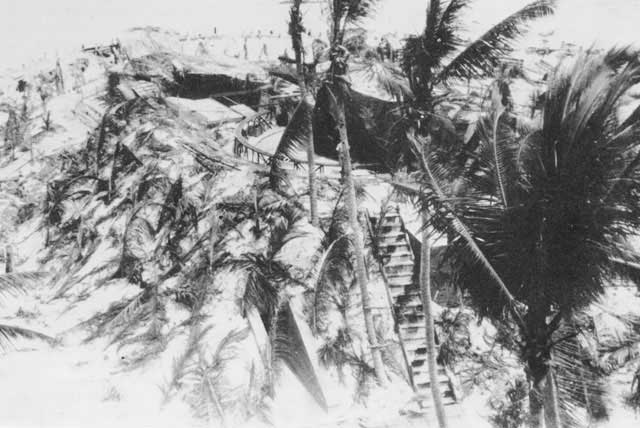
(311, 156)
(313, 194)
(537, 364)
(425, 288)
(551, 404)
(358, 244)
(256, 210)
(536, 413)
(295, 28)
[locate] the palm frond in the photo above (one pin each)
(332, 271)
(135, 310)
(446, 27)
(291, 210)
(151, 178)
(282, 232)
(496, 153)
(129, 312)
(422, 55)
(572, 192)
(483, 55)
(15, 284)
(196, 335)
(262, 283)
(434, 12)
(387, 77)
(344, 13)
(335, 352)
(140, 239)
(624, 352)
(225, 347)
(581, 386)
(288, 347)
(296, 137)
(208, 394)
(461, 229)
(171, 204)
(9, 333)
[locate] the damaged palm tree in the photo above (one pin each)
(267, 279)
(151, 253)
(144, 248)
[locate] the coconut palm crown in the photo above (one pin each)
(551, 209)
(439, 55)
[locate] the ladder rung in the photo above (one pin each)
(400, 264)
(393, 244)
(399, 254)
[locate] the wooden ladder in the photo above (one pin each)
(396, 258)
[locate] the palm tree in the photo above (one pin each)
(431, 61)
(329, 110)
(424, 57)
(539, 221)
(295, 30)
(332, 96)
(299, 131)
(423, 62)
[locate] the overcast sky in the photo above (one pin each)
(29, 27)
